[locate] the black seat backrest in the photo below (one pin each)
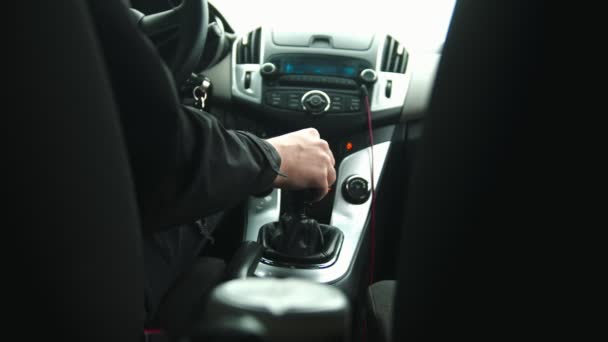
(81, 237)
(465, 217)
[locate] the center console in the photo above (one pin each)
(349, 214)
(319, 79)
(315, 84)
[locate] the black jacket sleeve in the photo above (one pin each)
(212, 169)
(185, 164)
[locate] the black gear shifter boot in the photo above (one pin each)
(299, 238)
(296, 240)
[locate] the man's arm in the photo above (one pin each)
(184, 163)
(219, 167)
(307, 161)
(208, 169)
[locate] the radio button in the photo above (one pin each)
(336, 108)
(368, 76)
(355, 104)
(274, 99)
(316, 102)
(268, 70)
(294, 104)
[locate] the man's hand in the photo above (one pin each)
(306, 160)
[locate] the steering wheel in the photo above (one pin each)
(187, 25)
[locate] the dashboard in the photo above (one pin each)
(293, 79)
(271, 81)
(264, 74)
(304, 76)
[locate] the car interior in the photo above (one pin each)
(411, 243)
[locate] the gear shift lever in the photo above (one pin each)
(297, 239)
(299, 201)
(301, 236)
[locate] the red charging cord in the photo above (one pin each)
(372, 252)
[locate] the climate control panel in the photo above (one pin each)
(313, 101)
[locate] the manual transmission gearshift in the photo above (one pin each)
(301, 235)
(299, 201)
(298, 240)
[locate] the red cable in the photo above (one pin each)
(148, 331)
(372, 254)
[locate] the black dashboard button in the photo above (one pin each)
(268, 70)
(269, 97)
(368, 76)
(326, 81)
(316, 101)
(274, 99)
(355, 190)
(294, 105)
(355, 104)
(336, 108)
(389, 88)
(248, 80)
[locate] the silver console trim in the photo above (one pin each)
(424, 70)
(350, 218)
(400, 86)
(401, 83)
(261, 210)
(254, 93)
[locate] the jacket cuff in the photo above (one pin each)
(270, 153)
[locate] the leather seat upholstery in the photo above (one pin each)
(467, 205)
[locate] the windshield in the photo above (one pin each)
(418, 24)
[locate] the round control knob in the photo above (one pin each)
(368, 76)
(268, 69)
(355, 189)
(315, 102)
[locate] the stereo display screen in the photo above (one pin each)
(318, 66)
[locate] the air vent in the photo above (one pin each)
(248, 48)
(394, 57)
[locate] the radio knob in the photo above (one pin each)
(268, 70)
(355, 190)
(368, 76)
(315, 102)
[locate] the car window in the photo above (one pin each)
(419, 24)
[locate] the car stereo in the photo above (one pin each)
(315, 83)
(311, 65)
